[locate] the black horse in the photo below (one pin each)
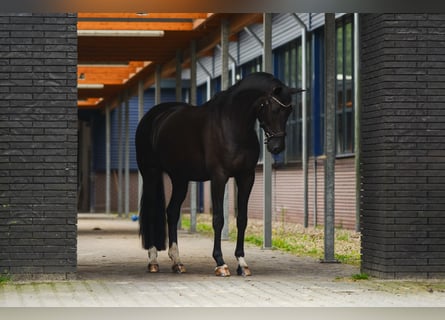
(213, 142)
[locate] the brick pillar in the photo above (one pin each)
(38, 145)
(403, 145)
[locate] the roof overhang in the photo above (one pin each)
(117, 50)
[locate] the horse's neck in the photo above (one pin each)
(242, 113)
(246, 106)
(239, 113)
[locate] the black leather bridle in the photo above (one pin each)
(269, 134)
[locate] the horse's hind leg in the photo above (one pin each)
(218, 188)
(244, 183)
(179, 192)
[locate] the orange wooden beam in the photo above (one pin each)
(131, 15)
(108, 74)
(89, 103)
(166, 26)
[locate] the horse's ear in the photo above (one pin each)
(277, 90)
(296, 90)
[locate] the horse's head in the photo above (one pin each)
(273, 111)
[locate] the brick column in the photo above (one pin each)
(38, 145)
(403, 145)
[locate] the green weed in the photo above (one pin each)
(4, 278)
(360, 276)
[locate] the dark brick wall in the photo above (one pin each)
(403, 145)
(38, 144)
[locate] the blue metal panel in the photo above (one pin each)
(99, 129)
(201, 93)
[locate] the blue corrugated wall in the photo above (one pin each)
(98, 135)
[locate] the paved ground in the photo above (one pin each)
(112, 272)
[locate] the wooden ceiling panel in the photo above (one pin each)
(118, 49)
(138, 56)
(108, 74)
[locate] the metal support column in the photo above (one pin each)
(304, 152)
(267, 157)
(127, 156)
(158, 84)
(178, 76)
(140, 115)
(357, 116)
(107, 160)
(330, 78)
(193, 185)
(224, 86)
(120, 205)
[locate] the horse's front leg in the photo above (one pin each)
(179, 192)
(244, 183)
(218, 188)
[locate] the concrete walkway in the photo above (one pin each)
(112, 272)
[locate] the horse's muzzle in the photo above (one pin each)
(275, 145)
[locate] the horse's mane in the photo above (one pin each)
(258, 81)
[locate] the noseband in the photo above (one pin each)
(269, 133)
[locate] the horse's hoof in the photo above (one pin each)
(243, 271)
(178, 268)
(153, 268)
(222, 271)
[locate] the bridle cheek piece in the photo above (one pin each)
(269, 134)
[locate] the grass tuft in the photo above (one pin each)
(360, 276)
(4, 278)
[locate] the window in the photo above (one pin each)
(317, 92)
(287, 64)
(344, 87)
(252, 66)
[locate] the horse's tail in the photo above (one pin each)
(152, 218)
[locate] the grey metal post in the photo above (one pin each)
(224, 86)
(304, 152)
(107, 160)
(178, 75)
(158, 84)
(267, 157)
(119, 161)
(357, 117)
(140, 115)
(193, 78)
(127, 155)
(178, 95)
(330, 77)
